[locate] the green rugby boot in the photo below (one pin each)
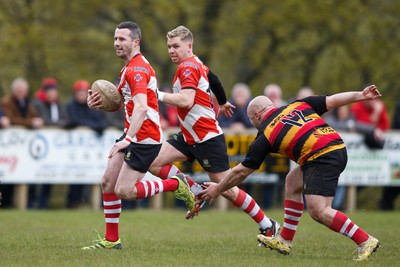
(183, 191)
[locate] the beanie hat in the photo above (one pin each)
(81, 85)
(49, 83)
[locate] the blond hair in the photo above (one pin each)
(182, 32)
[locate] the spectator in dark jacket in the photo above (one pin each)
(48, 105)
(79, 114)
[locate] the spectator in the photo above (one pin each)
(50, 109)
(4, 123)
(390, 193)
(4, 120)
(79, 114)
(304, 92)
(374, 113)
(274, 92)
(241, 96)
(18, 108)
(48, 105)
(115, 119)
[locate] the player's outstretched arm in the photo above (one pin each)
(341, 99)
(232, 179)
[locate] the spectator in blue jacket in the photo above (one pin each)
(241, 96)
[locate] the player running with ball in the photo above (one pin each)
(131, 156)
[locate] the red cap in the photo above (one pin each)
(49, 83)
(81, 85)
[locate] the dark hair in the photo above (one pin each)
(136, 33)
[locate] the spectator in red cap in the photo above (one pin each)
(48, 82)
(51, 110)
(48, 105)
(79, 114)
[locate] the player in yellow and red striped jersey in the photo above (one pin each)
(298, 132)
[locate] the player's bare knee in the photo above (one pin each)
(124, 193)
(316, 212)
(107, 184)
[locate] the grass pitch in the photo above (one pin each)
(165, 238)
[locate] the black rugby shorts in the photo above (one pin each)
(321, 175)
(140, 156)
(211, 154)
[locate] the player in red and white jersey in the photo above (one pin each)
(198, 122)
(132, 154)
(138, 77)
(201, 137)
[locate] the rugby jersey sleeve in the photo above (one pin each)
(217, 88)
(318, 103)
(257, 152)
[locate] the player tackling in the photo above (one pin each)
(298, 132)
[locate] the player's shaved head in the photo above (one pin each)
(259, 103)
(257, 109)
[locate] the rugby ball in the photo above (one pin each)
(111, 98)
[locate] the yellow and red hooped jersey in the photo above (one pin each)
(198, 123)
(296, 131)
(139, 77)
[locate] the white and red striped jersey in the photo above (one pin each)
(198, 123)
(139, 77)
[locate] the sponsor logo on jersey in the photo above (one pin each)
(138, 77)
(139, 68)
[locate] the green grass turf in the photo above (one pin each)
(165, 238)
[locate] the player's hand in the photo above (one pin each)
(210, 193)
(226, 109)
(118, 147)
(94, 100)
(371, 92)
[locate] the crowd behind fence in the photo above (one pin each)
(79, 156)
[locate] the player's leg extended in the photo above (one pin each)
(130, 185)
(320, 210)
(162, 165)
(111, 206)
(173, 150)
(293, 209)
